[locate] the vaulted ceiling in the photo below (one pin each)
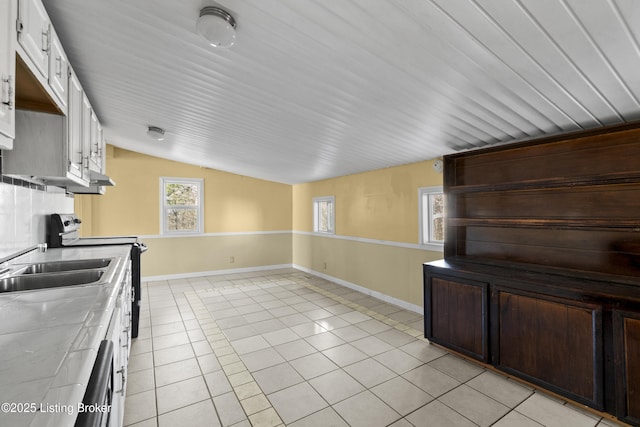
(318, 89)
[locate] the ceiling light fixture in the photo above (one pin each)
(155, 133)
(217, 26)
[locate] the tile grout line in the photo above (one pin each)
(246, 388)
(364, 310)
(234, 364)
(153, 364)
(254, 402)
(192, 343)
(397, 325)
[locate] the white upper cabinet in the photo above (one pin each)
(75, 133)
(58, 69)
(87, 114)
(34, 34)
(97, 145)
(7, 73)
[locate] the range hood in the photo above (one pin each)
(41, 151)
(96, 178)
(97, 184)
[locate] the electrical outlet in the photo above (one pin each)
(324, 265)
(232, 260)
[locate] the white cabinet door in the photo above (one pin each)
(114, 334)
(34, 33)
(58, 69)
(121, 349)
(8, 14)
(100, 155)
(87, 112)
(95, 158)
(74, 127)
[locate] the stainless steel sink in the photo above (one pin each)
(58, 266)
(27, 282)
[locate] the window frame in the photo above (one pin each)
(332, 214)
(199, 182)
(427, 229)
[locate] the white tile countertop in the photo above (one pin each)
(49, 340)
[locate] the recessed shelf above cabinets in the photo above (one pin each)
(30, 95)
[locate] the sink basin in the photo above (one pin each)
(46, 281)
(57, 266)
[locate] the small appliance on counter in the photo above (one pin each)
(64, 231)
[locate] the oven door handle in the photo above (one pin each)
(99, 386)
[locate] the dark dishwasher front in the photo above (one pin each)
(99, 390)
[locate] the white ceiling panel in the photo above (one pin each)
(318, 89)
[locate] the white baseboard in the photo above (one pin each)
(214, 272)
(367, 291)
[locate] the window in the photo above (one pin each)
(182, 207)
(324, 212)
(432, 215)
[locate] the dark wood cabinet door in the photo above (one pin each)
(627, 360)
(549, 341)
(456, 315)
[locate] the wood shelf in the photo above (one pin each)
(550, 223)
(569, 202)
(551, 230)
(614, 178)
(29, 93)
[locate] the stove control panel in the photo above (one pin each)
(65, 223)
(63, 227)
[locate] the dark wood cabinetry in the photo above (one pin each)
(459, 317)
(568, 202)
(627, 342)
(540, 337)
(541, 276)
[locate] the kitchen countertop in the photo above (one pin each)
(49, 340)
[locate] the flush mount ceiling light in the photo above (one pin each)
(217, 26)
(155, 133)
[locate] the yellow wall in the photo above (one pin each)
(394, 271)
(251, 223)
(233, 204)
(371, 206)
(380, 204)
(200, 254)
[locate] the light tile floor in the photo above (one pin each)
(284, 347)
